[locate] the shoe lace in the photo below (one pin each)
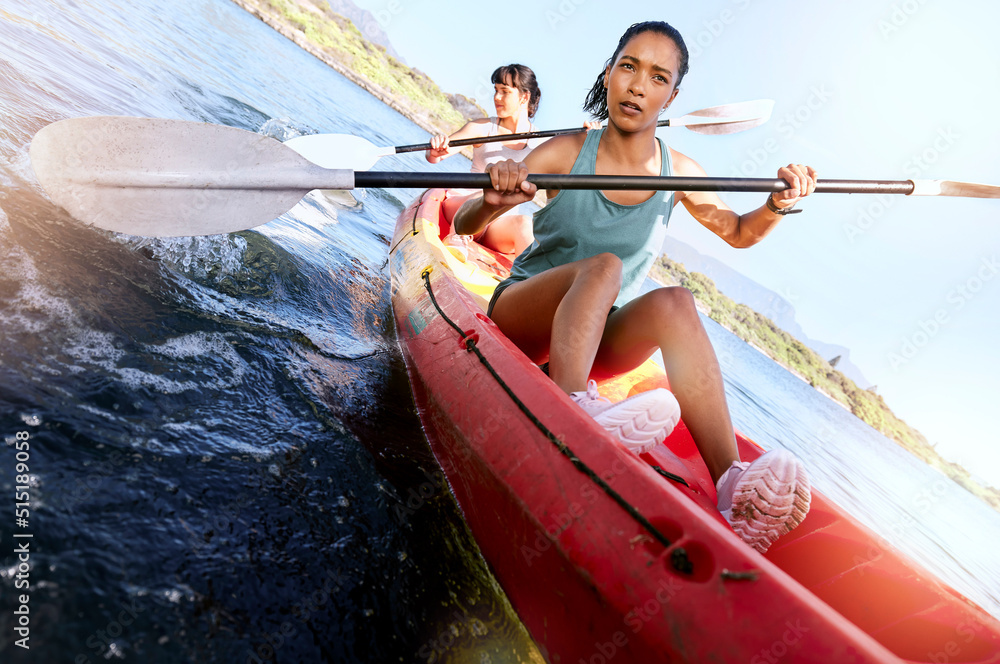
(727, 484)
(593, 395)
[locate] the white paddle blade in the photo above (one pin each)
(728, 118)
(169, 178)
(728, 127)
(339, 151)
(953, 188)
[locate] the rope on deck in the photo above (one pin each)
(678, 559)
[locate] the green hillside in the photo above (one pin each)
(337, 41)
(791, 353)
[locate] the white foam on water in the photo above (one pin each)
(101, 413)
(199, 257)
(303, 225)
(90, 349)
(282, 129)
(31, 420)
(192, 434)
(20, 167)
(66, 343)
(37, 311)
(194, 346)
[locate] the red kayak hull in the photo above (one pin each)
(669, 580)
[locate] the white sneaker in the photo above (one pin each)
(765, 499)
(458, 245)
(640, 422)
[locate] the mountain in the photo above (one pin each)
(368, 24)
(762, 300)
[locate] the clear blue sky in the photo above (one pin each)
(863, 90)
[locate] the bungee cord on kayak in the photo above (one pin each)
(679, 558)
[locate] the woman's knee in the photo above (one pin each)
(522, 230)
(675, 302)
(604, 266)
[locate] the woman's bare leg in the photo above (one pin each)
(667, 319)
(560, 314)
(510, 234)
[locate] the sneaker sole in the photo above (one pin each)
(643, 421)
(770, 500)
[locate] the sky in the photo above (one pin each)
(889, 90)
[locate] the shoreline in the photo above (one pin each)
(920, 448)
(265, 13)
(705, 309)
(765, 353)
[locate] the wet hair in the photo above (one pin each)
(522, 78)
(597, 99)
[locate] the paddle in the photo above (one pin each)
(166, 178)
(354, 152)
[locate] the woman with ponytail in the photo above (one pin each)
(573, 299)
(515, 97)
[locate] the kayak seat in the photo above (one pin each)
(491, 264)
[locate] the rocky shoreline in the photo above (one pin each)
(913, 441)
(269, 14)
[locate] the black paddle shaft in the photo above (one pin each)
(492, 139)
(388, 179)
(504, 137)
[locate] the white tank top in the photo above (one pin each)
(490, 153)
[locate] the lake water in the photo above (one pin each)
(227, 466)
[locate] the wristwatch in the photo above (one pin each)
(777, 210)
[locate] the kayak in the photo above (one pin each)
(606, 555)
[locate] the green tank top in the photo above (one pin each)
(579, 223)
